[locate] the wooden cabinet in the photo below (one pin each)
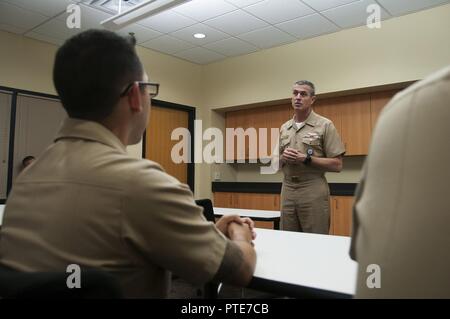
(341, 215)
(224, 199)
(340, 208)
(256, 118)
(351, 117)
(249, 201)
(356, 125)
(354, 117)
(327, 108)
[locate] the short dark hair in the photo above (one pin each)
(310, 84)
(90, 71)
(27, 158)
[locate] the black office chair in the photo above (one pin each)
(42, 285)
(208, 210)
(211, 290)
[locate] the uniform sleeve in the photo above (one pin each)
(164, 225)
(333, 145)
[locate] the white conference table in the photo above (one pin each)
(255, 214)
(304, 265)
(2, 208)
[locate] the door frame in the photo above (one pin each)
(191, 118)
(12, 127)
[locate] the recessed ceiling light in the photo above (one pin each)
(199, 36)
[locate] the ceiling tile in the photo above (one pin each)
(44, 38)
(276, 11)
(202, 10)
(243, 3)
(353, 14)
(231, 47)
(399, 7)
(167, 44)
(167, 22)
(18, 20)
(141, 33)
(200, 55)
(308, 27)
(267, 37)
(55, 29)
(236, 22)
(49, 8)
(321, 5)
(187, 34)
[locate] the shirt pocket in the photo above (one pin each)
(284, 140)
(314, 142)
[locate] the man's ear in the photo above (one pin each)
(134, 98)
(313, 98)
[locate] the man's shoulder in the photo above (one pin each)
(149, 174)
(286, 124)
(321, 120)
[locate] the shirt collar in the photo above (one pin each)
(311, 120)
(88, 130)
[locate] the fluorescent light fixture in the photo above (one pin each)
(139, 12)
(199, 36)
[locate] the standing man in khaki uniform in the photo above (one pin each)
(85, 201)
(309, 146)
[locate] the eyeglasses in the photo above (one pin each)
(153, 87)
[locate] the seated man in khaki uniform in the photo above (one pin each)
(86, 202)
(401, 237)
(309, 146)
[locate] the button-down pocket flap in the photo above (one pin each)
(284, 140)
(311, 140)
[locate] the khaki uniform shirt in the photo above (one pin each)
(318, 133)
(85, 201)
(402, 208)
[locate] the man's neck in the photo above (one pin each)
(118, 130)
(301, 115)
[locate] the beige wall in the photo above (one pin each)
(26, 64)
(405, 48)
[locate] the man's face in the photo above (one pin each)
(302, 98)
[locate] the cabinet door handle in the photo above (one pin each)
(337, 205)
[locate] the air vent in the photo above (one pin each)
(112, 6)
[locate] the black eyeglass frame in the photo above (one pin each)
(141, 84)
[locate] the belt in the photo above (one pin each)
(302, 178)
(294, 179)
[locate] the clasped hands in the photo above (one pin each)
(237, 228)
(293, 156)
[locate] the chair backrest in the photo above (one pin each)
(39, 285)
(208, 210)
